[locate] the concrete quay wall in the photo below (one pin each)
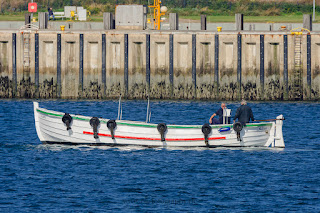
(162, 64)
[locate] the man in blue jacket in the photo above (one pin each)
(219, 112)
(50, 11)
(244, 114)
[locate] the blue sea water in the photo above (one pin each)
(40, 178)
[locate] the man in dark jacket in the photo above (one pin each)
(219, 113)
(50, 11)
(244, 113)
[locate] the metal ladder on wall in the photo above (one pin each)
(297, 75)
(26, 31)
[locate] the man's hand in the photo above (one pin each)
(210, 120)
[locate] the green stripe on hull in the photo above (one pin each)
(49, 113)
(154, 125)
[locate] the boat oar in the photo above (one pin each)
(282, 119)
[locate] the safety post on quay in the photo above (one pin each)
(157, 13)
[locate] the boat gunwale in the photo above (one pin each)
(142, 124)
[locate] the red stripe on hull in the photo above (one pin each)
(155, 139)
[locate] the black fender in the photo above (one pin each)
(206, 130)
(111, 124)
(67, 119)
(94, 122)
(237, 127)
(162, 128)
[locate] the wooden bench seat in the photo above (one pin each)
(59, 15)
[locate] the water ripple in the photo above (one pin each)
(36, 177)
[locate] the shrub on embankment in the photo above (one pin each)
(182, 7)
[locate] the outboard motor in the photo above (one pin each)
(162, 128)
(206, 130)
(67, 119)
(111, 124)
(237, 127)
(94, 122)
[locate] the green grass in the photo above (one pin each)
(18, 17)
(96, 18)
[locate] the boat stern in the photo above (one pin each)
(278, 139)
(276, 136)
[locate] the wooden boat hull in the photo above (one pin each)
(52, 130)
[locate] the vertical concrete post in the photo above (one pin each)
(309, 66)
(171, 63)
(43, 20)
(126, 64)
(194, 64)
(14, 64)
(216, 65)
(27, 18)
(36, 61)
(239, 67)
(285, 67)
(251, 27)
(174, 21)
(59, 65)
(203, 22)
(271, 27)
(239, 22)
(108, 21)
(103, 69)
(148, 63)
(307, 21)
(262, 67)
(81, 66)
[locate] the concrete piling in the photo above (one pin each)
(14, 65)
(174, 21)
(58, 85)
(148, 64)
(81, 66)
(194, 64)
(216, 67)
(43, 20)
(103, 69)
(309, 90)
(307, 21)
(36, 68)
(171, 64)
(239, 73)
(203, 22)
(108, 21)
(27, 18)
(239, 21)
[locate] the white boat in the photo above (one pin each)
(63, 128)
